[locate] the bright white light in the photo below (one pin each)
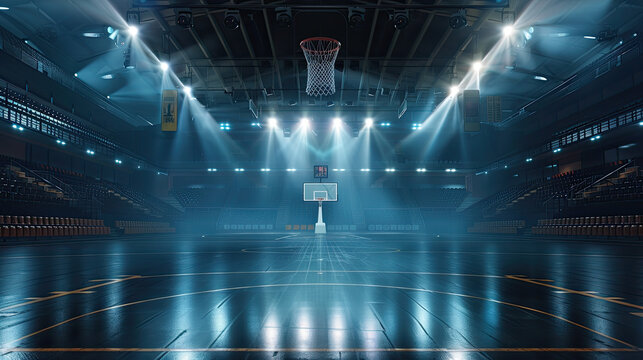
(265, 170)
(420, 170)
(164, 65)
(132, 30)
(272, 122)
(108, 97)
(541, 78)
(454, 90)
(449, 170)
(389, 169)
(590, 37)
(90, 152)
(385, 124)
(557, 150)
(118, 161)
(365, 170)
(107, 77)
(416, 126)
(212, 170)
(337, 123)
(477, 66)
(508, 30)
(61, 142)
(594, 138)
(641, 123)
(291, 170)
(187, 89)
(4, 8)
(239, 169)
(75, 74)
(529, 159)
(304, 122)
(368, 122)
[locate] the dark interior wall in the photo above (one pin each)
(12, 147)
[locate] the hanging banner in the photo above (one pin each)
(169, 111)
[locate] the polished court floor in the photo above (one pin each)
(350, 296)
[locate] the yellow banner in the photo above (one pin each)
(169, 111)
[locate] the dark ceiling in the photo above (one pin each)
(377, 67)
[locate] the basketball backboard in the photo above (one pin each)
(320, 191)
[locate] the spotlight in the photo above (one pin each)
(187, 90)
(212, 170)
(132, 30)
(239, 169)
(118, 161)
(265, 170)
(107, 77)
(284, 16)
(557, 150)
(291, 170)
(4, 8)
(458, 20)
(420, 170)
(594, 138)
(224, 126)
(90, 152)
(529, 159)
(400, 19)
(508, 30)
(272, 122)
(232, 19)
(365, 170)
(75, 74)
(391, 170)
(356, 16)
(368, 122)
(540, 78)
(304, 122)
(454, 90)
(416, 126)
(184, 19)
(337, 123)
(164, 66)
(61, 142)
(477, 66)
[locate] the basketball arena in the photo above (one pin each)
(285, 179)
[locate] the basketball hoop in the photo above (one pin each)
(320, 53)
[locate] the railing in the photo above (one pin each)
(35, 175)
(602, 178)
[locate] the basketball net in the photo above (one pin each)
(320, 53)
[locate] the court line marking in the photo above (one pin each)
(584, 293)
(251, 251)
(327, 271)
(65, 293)
(321, 284)
(181, 350)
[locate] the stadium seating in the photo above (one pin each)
(497, 227)
(18, 226)
(620, 225)
(144, 227)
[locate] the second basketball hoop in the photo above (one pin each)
(320, 53)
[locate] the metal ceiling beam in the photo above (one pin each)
(368, 49)
(246, 39)
(272, 49)
(226, 48)
(413, 50)
(389, 52)
(468, 4)
(166, 29)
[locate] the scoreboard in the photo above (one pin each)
(320, 171)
